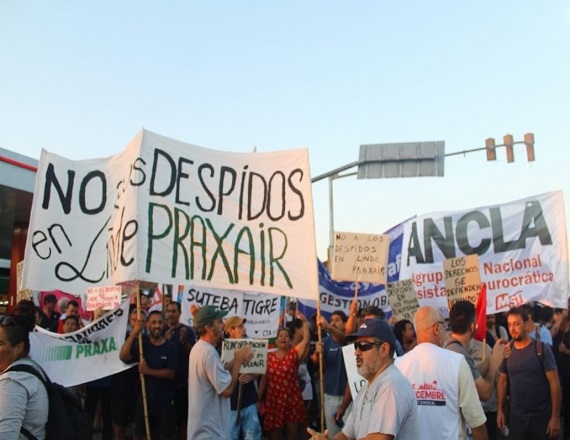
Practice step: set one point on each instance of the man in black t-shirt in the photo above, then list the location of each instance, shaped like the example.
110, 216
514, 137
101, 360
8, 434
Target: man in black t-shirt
160, 359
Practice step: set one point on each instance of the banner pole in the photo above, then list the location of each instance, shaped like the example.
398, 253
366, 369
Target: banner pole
141, 358
321, 369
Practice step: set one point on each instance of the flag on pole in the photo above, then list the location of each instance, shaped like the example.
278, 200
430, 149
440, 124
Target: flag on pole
481, 314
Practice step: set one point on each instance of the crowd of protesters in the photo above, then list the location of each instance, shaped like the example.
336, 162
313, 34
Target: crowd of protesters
426, 378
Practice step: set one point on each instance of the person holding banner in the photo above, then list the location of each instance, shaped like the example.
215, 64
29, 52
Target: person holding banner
244, 398
337, 391
210, 383
160, 359
184, 337
285, 409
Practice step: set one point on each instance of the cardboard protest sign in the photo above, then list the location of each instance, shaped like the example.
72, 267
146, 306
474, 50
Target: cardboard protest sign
462, 279
360, 257
403, 299
105, 297
167, 212
257, 365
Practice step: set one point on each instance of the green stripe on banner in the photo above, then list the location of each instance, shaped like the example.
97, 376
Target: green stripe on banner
56, 353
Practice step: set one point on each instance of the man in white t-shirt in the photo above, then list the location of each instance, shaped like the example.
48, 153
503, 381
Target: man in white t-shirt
444, 387
210, 384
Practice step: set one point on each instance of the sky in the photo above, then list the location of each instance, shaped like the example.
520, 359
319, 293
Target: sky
80, 79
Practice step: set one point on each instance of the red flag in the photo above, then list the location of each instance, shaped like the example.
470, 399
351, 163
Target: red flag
481, 314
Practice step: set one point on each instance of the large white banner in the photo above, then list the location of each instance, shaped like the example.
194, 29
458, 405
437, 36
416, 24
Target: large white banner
168, 212
86, 354
522, 248
261, 311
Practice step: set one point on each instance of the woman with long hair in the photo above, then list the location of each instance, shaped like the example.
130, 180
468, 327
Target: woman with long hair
285, 409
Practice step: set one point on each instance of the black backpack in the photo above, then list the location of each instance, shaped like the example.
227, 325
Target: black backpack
66, 418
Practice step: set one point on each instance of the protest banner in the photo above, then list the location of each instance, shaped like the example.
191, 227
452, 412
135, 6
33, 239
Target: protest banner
360, 257
167, 212
258, 365
403, 299
104, 297
462, 279
522, 248
87, 354
261, 311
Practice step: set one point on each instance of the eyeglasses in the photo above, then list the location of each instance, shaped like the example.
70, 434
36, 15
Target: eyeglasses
436, 323
7, 321
365, 346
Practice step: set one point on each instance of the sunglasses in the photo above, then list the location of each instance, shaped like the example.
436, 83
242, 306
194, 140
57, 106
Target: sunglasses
7, 321
365, 346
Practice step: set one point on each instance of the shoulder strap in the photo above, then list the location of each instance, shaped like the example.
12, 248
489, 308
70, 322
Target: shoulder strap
453, 341
28, 369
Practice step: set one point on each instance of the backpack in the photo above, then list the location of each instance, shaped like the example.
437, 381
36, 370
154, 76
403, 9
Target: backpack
66, 418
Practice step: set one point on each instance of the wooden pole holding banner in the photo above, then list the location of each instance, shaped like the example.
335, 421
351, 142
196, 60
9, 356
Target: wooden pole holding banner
321, 369
141, 359
239, 398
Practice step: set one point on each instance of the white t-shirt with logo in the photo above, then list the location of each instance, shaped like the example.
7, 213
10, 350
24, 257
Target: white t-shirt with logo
445, 391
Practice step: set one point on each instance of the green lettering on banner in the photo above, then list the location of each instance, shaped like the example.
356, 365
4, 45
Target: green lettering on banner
106, 345
189, 245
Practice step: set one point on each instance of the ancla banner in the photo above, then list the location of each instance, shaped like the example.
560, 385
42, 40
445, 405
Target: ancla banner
84, 355
522, 248
168, 212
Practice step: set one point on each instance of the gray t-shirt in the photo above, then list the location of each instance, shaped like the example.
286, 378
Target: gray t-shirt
23, 402
391, 396
209, 414
457, 347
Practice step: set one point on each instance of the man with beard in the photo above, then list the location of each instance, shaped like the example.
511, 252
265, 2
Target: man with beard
385, 407
210, 384
160, 359
184, 337
337, 391
534, 385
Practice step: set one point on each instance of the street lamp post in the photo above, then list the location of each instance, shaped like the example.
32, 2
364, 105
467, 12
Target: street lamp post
394, 160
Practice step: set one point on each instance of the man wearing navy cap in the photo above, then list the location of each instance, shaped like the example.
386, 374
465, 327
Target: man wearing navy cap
386, 405
210, 384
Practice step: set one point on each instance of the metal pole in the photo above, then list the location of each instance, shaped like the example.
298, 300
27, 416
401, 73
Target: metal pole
331, 218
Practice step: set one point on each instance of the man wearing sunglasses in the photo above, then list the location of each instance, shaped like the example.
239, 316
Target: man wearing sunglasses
445, 390
385, 407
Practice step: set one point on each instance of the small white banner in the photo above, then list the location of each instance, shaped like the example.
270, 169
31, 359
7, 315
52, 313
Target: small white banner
462, 279
257, 365
84, 355
403, 299
104, 297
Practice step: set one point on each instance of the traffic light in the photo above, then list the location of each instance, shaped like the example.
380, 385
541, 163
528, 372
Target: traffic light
490, 146
508, 141
529, 141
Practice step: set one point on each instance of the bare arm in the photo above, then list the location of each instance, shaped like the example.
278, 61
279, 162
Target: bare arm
350, 326
241, 356
480, 433
486, 383
553, 428
162, 373
125, 353
501, 400
302, 348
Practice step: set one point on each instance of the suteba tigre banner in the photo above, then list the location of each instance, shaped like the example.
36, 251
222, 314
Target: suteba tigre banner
168, 212
522, 248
